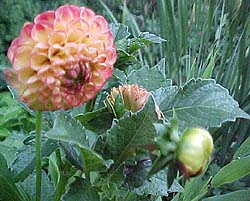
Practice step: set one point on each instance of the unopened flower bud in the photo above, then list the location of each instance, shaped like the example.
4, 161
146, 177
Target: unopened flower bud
193, 151
133, 97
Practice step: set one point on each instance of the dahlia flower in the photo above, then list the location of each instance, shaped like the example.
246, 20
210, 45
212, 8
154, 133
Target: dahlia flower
133, 97
62, 59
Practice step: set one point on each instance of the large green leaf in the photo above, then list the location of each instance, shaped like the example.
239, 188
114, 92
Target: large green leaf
130, 132
150, 78
119, 31
243, 149
156, 185
194, 189
232, 171
97, 121
24, 163
67, 129
72, 153
28, 186
241, 195
202, 103
10, 145
81, 190
8, 189
92, 161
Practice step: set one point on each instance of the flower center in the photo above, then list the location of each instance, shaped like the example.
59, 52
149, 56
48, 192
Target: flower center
76, 75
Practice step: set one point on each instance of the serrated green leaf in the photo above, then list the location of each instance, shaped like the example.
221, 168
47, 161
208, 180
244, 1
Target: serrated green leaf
175, 187
156, 185
166, 94
72, 153
24, 163
151, 38
81, 190
97, 121
200, 186
10, 145
119, 31
28, 186
232, 171
130, 132
53, 169
8, 189
92, 161
202, 103
243, 149
124, 60
241, 195
144, 39
150, 78
68, 129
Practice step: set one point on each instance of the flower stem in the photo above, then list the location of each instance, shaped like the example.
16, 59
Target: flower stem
38, 155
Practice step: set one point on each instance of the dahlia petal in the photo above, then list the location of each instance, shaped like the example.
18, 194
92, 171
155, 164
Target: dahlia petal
75, 35
27, 93
95, 28
79, 23
40, 33
43, 70
38, 60
67, 13
57, 100
56, 52
24, 74
86, 13
50, 80
26, 31
98, 44
92, 52
57, 37
33, 79
34, 87
47, 16
56, 91
102, 22
12, 49
11, 77
22, 57
98, 78
111, 56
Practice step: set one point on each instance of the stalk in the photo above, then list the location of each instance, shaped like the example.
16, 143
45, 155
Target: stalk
38, 156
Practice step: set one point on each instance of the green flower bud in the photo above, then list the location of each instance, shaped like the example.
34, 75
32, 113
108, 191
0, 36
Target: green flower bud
193, 151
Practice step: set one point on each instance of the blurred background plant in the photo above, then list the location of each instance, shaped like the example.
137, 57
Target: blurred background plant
208, 39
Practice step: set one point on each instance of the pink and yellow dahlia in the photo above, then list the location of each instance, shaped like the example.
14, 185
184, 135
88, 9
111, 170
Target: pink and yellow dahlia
62, 59
134, 97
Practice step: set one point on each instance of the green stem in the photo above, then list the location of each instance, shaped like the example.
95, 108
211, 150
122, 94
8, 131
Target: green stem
38, 156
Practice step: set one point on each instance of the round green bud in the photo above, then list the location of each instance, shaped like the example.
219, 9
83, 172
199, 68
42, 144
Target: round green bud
193, 151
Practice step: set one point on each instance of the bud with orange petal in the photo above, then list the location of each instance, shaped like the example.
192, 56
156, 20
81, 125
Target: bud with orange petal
132, 97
